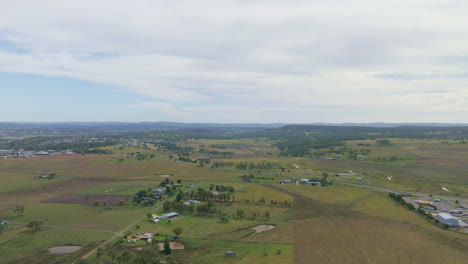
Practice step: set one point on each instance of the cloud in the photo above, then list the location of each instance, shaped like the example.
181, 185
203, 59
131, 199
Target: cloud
280, 60
152, 105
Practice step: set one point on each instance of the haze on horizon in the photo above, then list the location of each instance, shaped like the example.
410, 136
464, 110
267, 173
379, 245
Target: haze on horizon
234, 61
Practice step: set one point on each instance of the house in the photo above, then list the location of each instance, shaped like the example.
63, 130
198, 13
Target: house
448, 219
193, 201
159, 191
146, 236
3, 222
229, 253
304, 180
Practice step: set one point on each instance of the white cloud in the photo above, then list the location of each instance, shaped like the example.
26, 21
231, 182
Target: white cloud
358, 60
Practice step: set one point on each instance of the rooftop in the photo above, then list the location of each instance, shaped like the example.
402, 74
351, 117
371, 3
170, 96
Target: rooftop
447, 216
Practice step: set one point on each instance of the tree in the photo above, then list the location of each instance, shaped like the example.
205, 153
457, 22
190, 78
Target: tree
2, 227
167, 247
149, 215
266, 215
324, 175
179, 196
34, 225
177, 231
167, 206
19, 210
383, 142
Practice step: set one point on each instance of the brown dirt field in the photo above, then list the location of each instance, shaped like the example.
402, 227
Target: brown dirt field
111, 200
173, 245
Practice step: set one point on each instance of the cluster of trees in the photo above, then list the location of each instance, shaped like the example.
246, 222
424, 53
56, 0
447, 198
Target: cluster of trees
81, 145
399, 199
262, 201
217, 164
253, 178
383, 143
145, 197
259, 166
304, 146
350, 153
241, 214
387, 159
215, 152
207, 195
208, 209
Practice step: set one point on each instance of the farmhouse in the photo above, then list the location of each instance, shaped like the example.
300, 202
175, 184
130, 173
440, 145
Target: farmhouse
448, 219
159, 191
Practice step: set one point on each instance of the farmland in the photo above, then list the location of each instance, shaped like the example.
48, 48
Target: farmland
91, 203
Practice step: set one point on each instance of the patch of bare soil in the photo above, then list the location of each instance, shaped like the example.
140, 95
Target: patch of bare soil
262, 228
173, 245
64, 249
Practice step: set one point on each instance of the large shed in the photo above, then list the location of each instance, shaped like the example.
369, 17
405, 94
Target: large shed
448, 219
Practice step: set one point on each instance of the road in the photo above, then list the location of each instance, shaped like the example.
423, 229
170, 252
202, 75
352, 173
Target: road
120, 233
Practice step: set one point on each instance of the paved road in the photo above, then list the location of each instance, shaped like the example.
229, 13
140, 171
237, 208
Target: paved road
120, 233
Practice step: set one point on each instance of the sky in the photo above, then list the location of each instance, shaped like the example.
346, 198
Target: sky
238, 61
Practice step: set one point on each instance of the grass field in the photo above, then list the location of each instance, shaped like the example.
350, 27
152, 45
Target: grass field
78, 216
31, 247
334, 230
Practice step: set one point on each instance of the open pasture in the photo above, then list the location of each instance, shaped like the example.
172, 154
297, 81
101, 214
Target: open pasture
213, 251
31, 247
14, 181
78, 216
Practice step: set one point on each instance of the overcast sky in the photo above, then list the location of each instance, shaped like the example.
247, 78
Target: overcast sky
234, 61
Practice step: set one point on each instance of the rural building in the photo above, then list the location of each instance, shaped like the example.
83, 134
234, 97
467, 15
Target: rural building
229, 253
168, 215
448, 219
314, 183
284, 181
159, 191
204, 159
347, 174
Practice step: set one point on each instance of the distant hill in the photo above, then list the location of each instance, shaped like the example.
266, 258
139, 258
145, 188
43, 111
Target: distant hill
359, 132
